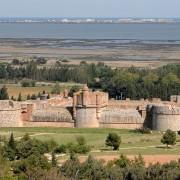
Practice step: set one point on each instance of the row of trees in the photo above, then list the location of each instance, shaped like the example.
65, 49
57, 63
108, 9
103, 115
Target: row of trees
133, 82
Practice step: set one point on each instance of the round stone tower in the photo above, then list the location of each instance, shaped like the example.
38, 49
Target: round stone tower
87, 107
165, 117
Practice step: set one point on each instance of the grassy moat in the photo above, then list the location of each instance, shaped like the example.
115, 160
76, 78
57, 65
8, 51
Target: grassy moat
133, 143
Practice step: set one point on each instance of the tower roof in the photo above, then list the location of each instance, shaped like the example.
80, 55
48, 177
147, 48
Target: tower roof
85, 87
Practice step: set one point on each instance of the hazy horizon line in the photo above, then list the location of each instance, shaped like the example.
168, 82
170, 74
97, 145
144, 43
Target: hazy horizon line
73, 17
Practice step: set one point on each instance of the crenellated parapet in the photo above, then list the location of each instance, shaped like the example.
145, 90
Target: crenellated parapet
87, 98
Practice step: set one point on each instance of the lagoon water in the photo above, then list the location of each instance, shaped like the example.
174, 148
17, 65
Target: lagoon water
143, 32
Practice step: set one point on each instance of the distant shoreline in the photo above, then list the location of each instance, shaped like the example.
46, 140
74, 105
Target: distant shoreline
91, 20
92, 41
114, 53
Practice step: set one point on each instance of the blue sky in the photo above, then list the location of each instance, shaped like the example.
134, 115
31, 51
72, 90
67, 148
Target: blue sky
90, 8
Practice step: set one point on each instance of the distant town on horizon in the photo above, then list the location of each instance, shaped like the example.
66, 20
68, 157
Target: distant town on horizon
87, 20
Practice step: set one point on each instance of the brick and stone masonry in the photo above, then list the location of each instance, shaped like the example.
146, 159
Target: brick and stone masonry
91, 109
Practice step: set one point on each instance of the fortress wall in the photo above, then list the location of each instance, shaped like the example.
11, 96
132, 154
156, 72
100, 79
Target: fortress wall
91, 98
134, 104
10, 114
10, 118
60, 101
126, 104
53, 114
79, 99
49, 124
86, 118
121, 119
165, 117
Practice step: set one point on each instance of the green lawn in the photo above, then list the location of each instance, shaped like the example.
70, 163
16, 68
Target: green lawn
132, 143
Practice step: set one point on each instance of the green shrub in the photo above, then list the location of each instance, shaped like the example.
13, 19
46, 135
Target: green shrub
34, 161
60, 149
81, 147
10, 148
33, 97
169, 138
51, 145
73, 89
113, 140
56, 89
30, 147
143, 130
71, 167
80, 140
92, 169
123, 161
28, 83
178, 132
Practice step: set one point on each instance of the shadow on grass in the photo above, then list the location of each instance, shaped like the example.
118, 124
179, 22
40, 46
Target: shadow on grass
106, 149
164, 147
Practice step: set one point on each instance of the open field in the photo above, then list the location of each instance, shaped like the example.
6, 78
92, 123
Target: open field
132, 143
15, 89
111, 52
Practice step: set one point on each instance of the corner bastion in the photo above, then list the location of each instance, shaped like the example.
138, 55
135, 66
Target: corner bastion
166, 117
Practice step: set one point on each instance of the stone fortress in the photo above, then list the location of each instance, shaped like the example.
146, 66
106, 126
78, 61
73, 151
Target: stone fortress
91, 109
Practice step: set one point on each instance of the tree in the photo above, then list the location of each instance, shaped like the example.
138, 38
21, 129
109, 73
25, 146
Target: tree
81, 140
33, 83
19, 97
92, 169
33, 97
26, 148
3, 93
54, 160
10, 148
48, 96
56, 89
25, 83
4, 168
12, 98
123, 161
39, 95
28, 97
178, 132
169, 138
11, 142
113, 140
73, 90
26, 137
71, 167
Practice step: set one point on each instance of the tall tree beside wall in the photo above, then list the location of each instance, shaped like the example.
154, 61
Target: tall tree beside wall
3, 93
